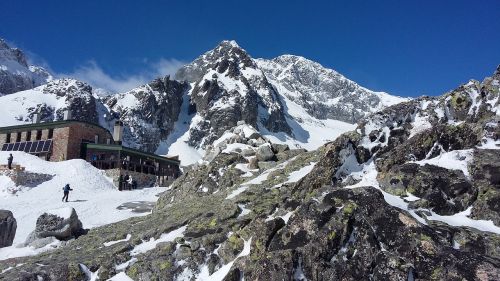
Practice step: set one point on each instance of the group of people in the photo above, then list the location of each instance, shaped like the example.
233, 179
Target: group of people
126, 182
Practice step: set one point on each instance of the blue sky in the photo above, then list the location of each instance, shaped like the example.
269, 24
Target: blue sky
405, 48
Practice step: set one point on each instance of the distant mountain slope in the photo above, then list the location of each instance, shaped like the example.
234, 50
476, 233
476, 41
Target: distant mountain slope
322, 92
15, 72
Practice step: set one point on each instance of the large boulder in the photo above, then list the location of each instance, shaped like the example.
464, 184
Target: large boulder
265, 153
62, 224
444, 191
8, 226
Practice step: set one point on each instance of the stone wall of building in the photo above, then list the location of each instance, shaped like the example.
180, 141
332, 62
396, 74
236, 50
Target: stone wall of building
143, 180
60, 144
83, 131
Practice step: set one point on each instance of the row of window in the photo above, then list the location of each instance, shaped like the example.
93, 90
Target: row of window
18, 136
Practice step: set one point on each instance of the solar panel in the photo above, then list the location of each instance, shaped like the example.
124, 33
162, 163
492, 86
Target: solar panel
21, 146
27, 148
33, 147
46, 147
9, 148
16, 146
39, 146
4, 146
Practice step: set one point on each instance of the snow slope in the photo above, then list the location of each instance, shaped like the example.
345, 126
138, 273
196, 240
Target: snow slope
94, 197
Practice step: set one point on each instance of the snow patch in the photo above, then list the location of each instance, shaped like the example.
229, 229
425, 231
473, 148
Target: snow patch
151, 244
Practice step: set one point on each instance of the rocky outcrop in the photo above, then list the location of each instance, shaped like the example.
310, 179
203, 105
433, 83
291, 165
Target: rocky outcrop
62, 224
15, 72
8, 226
265, 153
148, 112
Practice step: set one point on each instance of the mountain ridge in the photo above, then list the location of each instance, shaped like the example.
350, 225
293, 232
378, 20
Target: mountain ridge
224, 86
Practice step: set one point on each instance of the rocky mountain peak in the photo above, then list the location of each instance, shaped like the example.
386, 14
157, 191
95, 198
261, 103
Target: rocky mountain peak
227, 87
14, 54
15, 72
226, 55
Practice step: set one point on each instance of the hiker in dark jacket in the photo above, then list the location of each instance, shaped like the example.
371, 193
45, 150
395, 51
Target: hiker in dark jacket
125, 181
9, 161
66, 190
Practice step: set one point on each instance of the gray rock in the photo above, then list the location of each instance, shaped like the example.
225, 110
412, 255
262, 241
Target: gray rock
51, 225
265, 153
248, 152
8, 226
277, 148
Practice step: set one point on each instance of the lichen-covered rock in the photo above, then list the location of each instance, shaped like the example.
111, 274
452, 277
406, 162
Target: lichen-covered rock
8, 226
486, 176
444, 191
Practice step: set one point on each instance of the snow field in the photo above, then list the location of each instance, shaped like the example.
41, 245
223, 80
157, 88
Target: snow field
93, 197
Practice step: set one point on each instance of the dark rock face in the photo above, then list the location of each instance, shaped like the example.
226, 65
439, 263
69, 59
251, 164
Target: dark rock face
151, 116
486, 176
444, 191
78, 99
15, 74
8, 226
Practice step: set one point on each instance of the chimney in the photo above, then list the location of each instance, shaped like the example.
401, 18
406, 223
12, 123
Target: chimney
118, 132
67, 114
36, 117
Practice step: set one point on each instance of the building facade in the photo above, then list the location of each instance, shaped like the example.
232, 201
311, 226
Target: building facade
71, 139
60, 140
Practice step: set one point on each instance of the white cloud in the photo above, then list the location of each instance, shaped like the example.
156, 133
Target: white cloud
93, 74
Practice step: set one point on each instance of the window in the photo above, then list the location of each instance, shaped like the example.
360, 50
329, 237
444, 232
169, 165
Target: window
7, 138
39, 135
28, 136
51, 134
18, 137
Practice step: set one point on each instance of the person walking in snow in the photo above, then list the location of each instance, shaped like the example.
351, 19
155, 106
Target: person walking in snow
66, 190
9, 161
130, 182
125, 182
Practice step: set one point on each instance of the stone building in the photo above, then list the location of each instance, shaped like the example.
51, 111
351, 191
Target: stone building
72, 139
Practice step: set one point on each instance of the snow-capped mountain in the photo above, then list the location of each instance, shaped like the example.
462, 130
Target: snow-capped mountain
228, 86
15, 72
322, 92
289, 100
